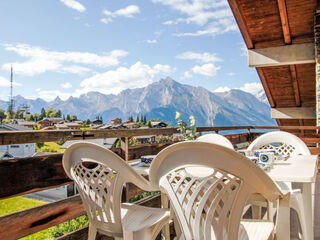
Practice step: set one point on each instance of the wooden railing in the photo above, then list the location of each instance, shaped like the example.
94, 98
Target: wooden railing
32, 174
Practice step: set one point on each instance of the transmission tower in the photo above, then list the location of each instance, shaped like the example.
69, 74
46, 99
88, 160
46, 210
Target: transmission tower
11, 93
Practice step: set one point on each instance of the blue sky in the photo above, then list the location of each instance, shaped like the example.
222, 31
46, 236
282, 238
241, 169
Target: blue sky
70, 47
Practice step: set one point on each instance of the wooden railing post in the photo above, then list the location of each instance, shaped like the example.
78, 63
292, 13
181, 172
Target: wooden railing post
125, 148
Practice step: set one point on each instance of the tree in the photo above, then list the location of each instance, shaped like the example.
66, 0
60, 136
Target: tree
50, 112
42, 114
68, 117
88, 121
2, 115
58, 113
144, 119
130, 118
36, 117
73, 118
137, 120
31, 118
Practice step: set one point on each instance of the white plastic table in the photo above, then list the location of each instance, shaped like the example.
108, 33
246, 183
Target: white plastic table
302, 169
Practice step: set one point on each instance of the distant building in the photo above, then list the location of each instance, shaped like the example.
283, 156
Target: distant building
146, 139
54, 119
116, 121
27, 124
61, 126
105, 142
97, 122
158, 124
44, 123
109, 126
16, 150
130, 124
73, 125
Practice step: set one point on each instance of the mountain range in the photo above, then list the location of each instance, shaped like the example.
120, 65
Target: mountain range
161, 100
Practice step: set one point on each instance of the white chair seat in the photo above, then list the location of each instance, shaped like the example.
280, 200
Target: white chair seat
255, 230
135, 217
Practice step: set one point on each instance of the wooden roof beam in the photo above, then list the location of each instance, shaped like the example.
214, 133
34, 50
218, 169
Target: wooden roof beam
266, 87
236, 9
284, 21
294, 113
283, 55
294, 80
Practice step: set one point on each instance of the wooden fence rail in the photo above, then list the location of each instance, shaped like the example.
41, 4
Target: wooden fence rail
31, 136
32, 220
26, 175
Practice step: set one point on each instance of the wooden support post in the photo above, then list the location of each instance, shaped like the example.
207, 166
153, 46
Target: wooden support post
317, 56
249, 135
70, 190
125, 148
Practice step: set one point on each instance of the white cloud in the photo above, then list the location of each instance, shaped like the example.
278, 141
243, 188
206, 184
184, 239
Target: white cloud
151, 41
231, 74
198, 11
222, 89
50, 95
75, 70
66, 85
87, 25
244, 50
201, 57
254, 88
187, 74
41, 60
114, 81
106, 20
215, 28
208, 69
6, 83
169, 22
74, 5
127, 12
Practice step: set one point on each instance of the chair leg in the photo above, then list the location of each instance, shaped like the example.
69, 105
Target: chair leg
296, 203
283, 223
92, 232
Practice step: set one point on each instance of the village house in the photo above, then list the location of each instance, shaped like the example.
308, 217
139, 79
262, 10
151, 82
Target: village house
158, 124
97, 122
44, 123
29, 125
16, 150
116, 121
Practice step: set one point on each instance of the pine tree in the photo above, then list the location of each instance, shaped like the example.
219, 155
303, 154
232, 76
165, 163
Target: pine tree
144, 119
130, 118
68, 118
42, 114
137, 120
58, 114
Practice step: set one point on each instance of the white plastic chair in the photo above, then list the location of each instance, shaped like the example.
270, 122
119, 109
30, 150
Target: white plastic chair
211, 207
216, 139
286, 144
99, 175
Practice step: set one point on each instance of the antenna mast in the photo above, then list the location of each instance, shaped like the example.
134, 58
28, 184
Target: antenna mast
11, 92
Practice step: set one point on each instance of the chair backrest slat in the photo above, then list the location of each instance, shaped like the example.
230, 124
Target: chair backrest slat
100, 175
283, 143
203, 205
